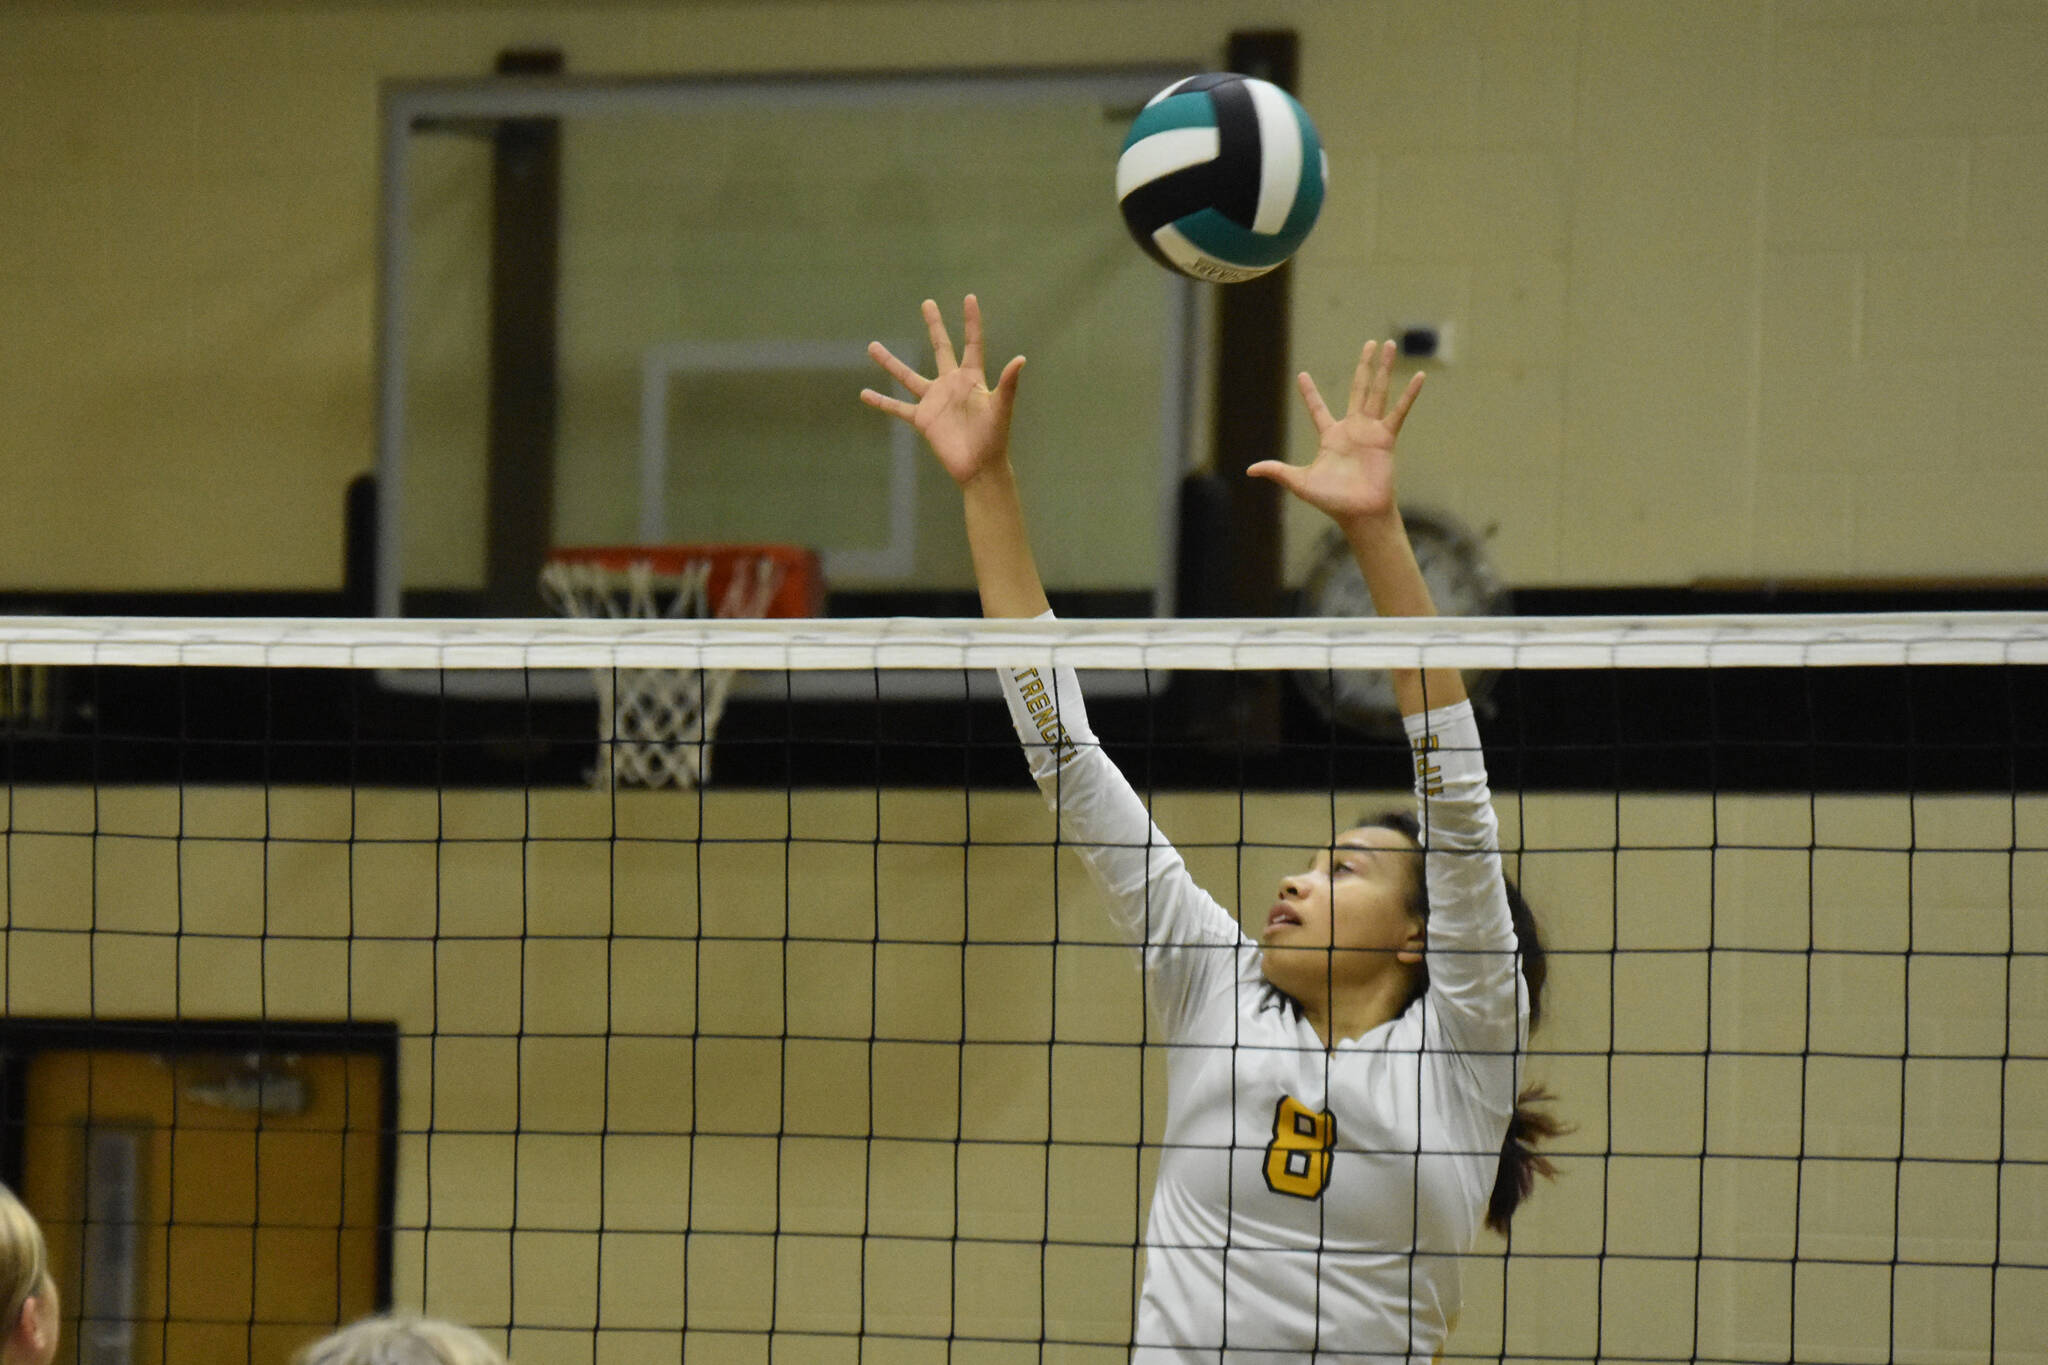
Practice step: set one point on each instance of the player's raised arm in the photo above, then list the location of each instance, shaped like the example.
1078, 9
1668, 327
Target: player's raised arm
1351, 480
1152, 899
967, 425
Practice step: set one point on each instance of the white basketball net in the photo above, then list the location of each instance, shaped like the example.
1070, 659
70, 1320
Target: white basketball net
657, 723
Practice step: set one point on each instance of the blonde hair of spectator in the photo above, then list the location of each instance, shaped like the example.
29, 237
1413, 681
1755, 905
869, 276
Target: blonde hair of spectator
25, 1278
400, 1339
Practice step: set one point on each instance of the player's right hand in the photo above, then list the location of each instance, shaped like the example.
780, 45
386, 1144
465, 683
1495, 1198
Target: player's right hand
963, 420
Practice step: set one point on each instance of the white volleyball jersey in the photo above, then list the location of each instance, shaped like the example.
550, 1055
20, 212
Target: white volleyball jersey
1312, 1203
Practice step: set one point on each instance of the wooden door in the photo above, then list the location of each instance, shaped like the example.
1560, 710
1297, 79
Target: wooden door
229, 1202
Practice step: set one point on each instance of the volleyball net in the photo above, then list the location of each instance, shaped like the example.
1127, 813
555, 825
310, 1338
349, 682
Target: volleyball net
321, 994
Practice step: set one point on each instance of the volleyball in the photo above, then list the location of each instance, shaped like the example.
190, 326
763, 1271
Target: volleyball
1221, 177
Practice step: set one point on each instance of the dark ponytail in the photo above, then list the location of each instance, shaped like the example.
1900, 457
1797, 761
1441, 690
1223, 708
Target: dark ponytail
1531, 1123
1520, 1162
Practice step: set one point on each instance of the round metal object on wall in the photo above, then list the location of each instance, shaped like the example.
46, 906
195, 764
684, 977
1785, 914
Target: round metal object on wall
1461, 583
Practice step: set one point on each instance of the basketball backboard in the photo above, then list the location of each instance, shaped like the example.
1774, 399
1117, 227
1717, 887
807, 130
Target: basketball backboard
721, 251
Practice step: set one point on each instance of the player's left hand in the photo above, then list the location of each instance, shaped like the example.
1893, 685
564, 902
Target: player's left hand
1351, 478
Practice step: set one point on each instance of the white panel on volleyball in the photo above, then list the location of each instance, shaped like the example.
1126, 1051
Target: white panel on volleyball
1279, 156
726, 243
1163, 153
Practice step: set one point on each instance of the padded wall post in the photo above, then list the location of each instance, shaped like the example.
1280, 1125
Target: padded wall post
1230, 524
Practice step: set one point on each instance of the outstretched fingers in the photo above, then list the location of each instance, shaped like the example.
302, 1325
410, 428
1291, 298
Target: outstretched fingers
1361, 378
971, 353
1279, 471
898, 371
942, 345
1381, 367
895, 407
1318, 411
1405, 402
1006, 385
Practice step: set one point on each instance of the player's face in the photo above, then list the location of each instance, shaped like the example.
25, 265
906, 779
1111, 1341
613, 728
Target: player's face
1346, 918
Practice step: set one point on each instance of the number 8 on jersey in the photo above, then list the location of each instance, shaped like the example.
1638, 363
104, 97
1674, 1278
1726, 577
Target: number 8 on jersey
1298, 1159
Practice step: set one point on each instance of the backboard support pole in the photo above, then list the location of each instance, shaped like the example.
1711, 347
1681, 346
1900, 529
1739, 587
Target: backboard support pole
526, 192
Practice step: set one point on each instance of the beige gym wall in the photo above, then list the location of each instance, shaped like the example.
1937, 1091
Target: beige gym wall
549, 1074
1739, 289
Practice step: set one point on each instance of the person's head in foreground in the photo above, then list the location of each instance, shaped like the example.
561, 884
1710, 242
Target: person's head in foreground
1355, 923
31, 1294
400, 1339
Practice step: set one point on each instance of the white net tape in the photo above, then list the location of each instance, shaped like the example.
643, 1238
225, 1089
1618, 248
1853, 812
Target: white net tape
1833, 641
656, 722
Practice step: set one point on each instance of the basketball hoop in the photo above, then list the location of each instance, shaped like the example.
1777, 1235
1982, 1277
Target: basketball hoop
657, 723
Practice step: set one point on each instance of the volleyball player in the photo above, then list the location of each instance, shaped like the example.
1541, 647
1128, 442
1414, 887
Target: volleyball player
32, 1321
1342, 1092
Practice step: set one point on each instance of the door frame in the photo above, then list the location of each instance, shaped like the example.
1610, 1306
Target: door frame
24, 1039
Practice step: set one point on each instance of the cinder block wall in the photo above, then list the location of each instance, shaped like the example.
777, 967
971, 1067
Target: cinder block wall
1741, 289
